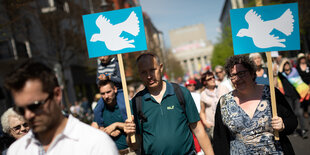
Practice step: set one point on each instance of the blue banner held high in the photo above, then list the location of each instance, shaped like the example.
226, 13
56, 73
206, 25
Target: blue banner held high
114, 32
265, 28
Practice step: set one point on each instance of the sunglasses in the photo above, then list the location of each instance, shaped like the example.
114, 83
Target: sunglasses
18, 127
219, 72
240, 74
32, 107
210, 78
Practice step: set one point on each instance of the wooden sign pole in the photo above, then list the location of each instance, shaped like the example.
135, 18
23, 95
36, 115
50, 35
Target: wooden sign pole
272, 92
124, 84
271, 83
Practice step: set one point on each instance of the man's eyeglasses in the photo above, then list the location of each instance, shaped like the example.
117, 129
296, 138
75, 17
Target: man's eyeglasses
240, 74
32, 107
18, 127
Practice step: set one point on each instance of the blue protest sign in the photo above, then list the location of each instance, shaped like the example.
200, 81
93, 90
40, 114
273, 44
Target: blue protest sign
114, 32
265, 28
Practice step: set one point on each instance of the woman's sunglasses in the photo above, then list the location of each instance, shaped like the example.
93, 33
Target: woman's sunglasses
18, 127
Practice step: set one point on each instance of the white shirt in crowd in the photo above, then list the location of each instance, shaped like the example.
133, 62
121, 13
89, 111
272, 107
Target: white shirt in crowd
196, 98
77, 139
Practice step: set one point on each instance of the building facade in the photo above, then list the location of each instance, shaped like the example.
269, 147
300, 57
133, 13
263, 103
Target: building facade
190, 46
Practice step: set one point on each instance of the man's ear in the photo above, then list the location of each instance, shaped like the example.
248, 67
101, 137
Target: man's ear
161, 67
58, 94
115, 89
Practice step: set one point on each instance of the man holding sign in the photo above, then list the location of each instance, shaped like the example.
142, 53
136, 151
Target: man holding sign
161, 122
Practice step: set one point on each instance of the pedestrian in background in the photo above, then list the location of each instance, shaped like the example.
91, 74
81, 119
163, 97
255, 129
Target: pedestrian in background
304, 71
14, 125
108, 69
208, 102
261, 71
224, 85
290, 74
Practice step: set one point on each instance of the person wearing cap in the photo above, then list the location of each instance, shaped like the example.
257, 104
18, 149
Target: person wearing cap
190, 85
304, 72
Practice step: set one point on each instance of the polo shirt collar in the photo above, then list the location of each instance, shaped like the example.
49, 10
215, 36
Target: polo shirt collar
169, 91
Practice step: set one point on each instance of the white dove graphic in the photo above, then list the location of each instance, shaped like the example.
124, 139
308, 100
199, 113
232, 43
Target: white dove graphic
259, 30
110, 34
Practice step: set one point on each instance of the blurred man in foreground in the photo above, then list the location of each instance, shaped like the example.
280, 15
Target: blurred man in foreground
38, 96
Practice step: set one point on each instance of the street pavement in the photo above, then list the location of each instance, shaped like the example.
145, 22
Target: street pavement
301, 146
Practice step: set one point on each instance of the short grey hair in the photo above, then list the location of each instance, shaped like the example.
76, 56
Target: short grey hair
5, 118
219, 67
253, 55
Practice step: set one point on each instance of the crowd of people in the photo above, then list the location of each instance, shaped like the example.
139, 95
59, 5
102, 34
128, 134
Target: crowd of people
223, 111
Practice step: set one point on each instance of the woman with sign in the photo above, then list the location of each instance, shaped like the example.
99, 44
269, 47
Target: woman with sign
243, 119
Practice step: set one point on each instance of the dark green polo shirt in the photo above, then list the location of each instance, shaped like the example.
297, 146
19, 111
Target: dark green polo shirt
114, 115
166, 130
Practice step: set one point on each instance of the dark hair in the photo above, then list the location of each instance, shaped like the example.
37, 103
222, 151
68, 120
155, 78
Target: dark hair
105, 82
203, 77
32, 70
148, 54
243, 60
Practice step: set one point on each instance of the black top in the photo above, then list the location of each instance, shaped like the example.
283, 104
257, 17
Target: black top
305, 75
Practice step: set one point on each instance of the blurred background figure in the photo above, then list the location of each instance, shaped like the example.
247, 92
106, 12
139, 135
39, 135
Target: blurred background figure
209, 101
261, 71
304, 72
108, 69
190, 85
243, 119
13, 125
220, 74
197, 79
96, 99
85, 106
223, 83
289, 77
180, 81
76, 109
131, 92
